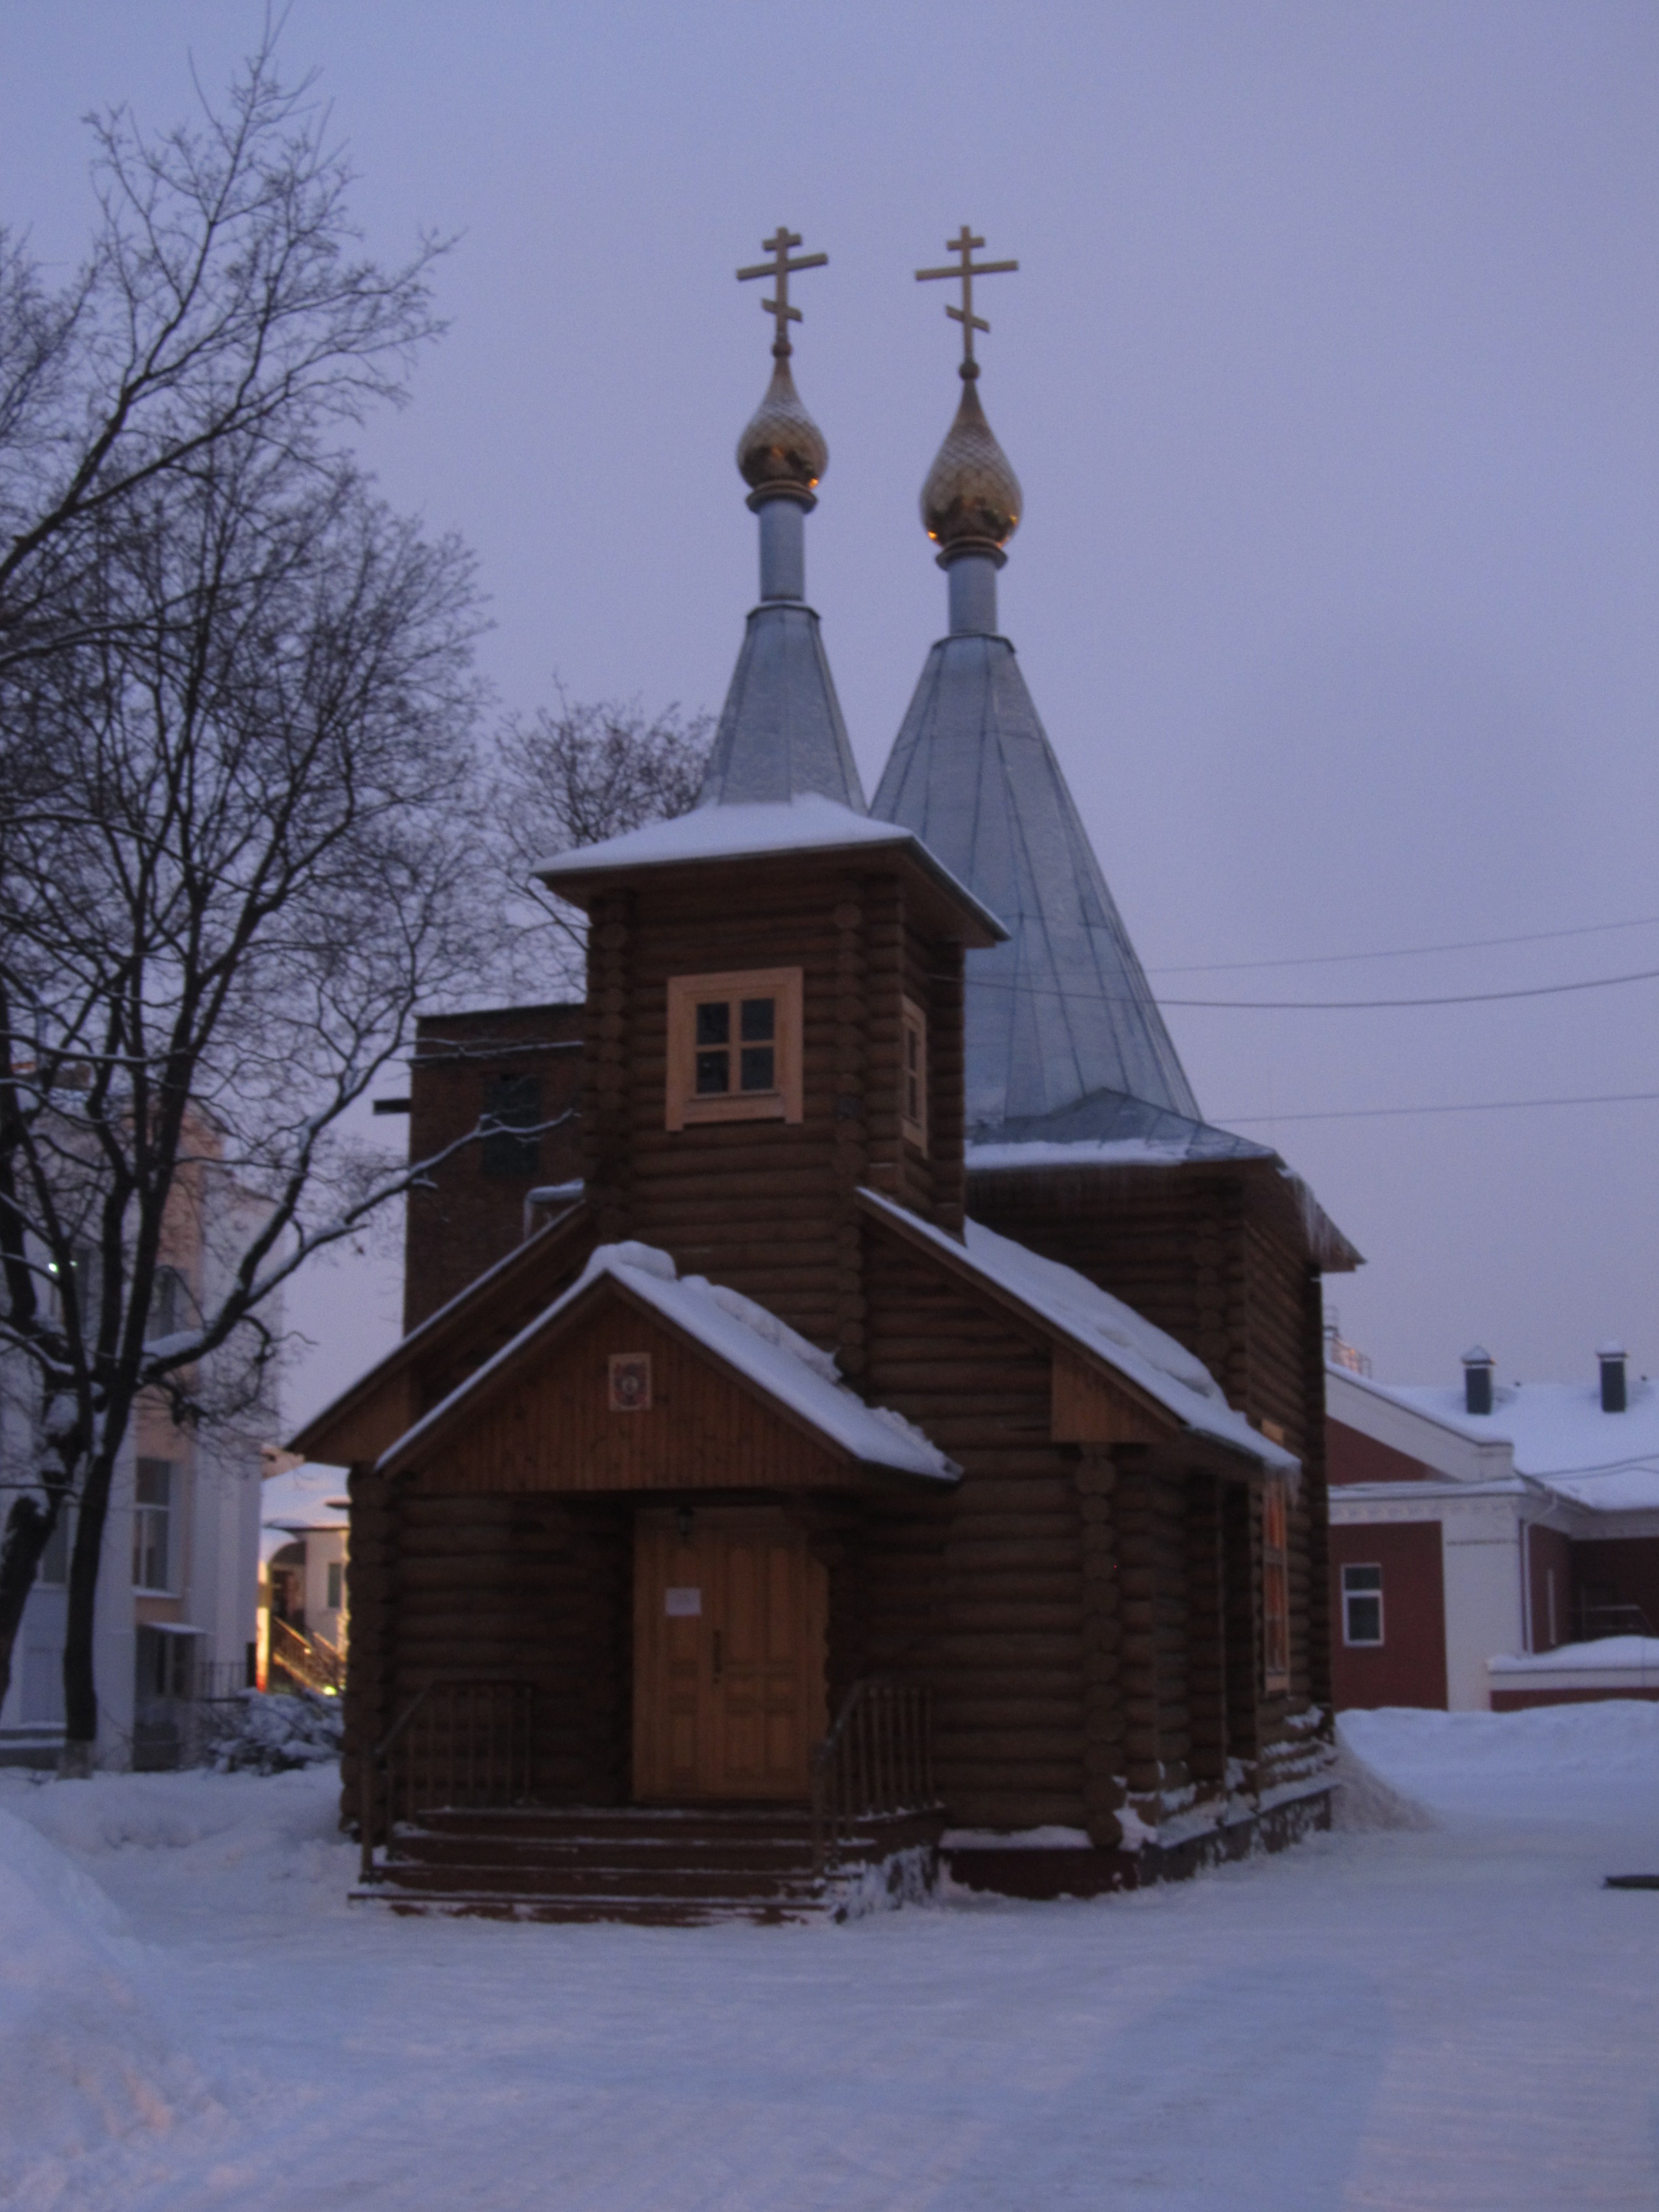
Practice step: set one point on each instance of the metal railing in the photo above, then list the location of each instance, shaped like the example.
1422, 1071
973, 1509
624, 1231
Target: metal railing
460, 1742
310, 1661
877, 1757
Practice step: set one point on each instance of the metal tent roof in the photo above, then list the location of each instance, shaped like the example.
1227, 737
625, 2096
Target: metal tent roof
1063, 1010
780, 730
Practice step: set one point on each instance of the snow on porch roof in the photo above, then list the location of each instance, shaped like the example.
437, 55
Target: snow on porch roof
807, 823
790, 1371
1103, 1326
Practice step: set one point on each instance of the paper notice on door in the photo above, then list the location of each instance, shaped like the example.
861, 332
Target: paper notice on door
682, 1604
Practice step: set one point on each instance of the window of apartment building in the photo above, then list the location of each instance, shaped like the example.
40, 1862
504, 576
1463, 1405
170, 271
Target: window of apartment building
1362, 1605
913, 1104
155, 1512
335, 1584
169, 1304
53, 1569
512, 1102
1275, 1588
734, 1047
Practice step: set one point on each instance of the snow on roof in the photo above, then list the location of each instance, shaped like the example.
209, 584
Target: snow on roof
808, 823
1558, 1435
1143, 1353
1608, 1652
304, 1498
793, 1372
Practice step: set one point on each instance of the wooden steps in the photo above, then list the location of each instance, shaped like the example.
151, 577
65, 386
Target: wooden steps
649, 1865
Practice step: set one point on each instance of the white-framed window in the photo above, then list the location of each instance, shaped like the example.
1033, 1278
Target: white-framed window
734, 1047
155, 1510
1362, 1605
335, 1584
913, 1102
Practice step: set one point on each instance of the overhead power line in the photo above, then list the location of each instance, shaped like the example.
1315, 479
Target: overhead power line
1482, 1106
1407, 952
1311, 1005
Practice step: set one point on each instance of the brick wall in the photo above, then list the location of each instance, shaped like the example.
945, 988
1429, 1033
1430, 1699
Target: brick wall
522, 1064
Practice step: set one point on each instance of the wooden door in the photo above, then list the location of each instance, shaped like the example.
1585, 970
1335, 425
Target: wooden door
728, 1657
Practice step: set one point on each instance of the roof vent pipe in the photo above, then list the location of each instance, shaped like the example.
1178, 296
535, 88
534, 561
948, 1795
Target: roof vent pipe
1612, 1357
1477, 1381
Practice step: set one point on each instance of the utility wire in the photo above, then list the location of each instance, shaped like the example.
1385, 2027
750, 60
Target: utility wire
1483, 1106
1310, 1005
1407, 952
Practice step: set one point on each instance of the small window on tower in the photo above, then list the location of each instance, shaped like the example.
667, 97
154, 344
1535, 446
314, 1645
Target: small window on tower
735, 1048
1362, 1605
913, 1103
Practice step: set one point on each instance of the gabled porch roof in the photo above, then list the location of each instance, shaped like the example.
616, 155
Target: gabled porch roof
796, 1380
380, 1406
1110, 1334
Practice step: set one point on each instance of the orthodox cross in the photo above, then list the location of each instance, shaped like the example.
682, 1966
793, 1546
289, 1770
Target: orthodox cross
780, 269
965, 272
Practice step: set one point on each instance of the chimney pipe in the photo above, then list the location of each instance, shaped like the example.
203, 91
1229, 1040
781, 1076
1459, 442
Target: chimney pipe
1477, 1381
1612, 1358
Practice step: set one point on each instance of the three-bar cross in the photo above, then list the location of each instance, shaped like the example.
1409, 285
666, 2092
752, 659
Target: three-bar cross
965, 270
781, 268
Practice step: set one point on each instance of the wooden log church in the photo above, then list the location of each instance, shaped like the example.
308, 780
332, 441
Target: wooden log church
856, 1418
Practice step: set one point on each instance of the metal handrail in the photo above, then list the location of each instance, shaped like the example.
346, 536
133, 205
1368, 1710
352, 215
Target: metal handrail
312, 1660
464, 1775
877, 1757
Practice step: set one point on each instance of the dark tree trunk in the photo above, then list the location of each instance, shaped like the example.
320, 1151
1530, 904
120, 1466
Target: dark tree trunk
29, 1531
80, 1678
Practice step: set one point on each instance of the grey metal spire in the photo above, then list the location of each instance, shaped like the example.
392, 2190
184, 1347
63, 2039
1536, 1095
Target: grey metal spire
1063, 1009
781, 731
1062, 1013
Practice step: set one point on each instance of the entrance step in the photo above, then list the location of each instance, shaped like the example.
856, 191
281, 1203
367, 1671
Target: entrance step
663, 1865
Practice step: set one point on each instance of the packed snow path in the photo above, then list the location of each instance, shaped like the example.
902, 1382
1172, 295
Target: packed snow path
1460, 2017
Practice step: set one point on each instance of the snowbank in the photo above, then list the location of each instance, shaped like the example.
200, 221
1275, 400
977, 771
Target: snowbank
1364, 1803
265, 1819
84, 2058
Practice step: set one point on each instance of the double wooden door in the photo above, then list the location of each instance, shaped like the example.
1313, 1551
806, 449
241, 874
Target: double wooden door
728, 1656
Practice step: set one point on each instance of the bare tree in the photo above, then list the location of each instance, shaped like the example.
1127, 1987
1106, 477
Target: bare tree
223, 297
576, 773
238, 844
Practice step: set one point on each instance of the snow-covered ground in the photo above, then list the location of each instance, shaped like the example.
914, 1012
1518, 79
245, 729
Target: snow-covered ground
1455, 2015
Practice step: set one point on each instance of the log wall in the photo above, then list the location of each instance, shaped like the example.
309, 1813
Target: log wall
1209, 1252
767, 1207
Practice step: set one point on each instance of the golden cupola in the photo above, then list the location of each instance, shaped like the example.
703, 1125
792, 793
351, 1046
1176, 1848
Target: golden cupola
972, 500
781, 452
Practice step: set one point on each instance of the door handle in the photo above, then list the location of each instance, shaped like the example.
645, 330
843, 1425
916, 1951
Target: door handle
719, 1654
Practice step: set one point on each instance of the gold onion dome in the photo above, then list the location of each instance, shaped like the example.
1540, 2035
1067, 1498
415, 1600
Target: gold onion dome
782, 450
972, 500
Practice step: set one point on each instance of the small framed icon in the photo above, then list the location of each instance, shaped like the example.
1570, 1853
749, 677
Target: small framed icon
630, 1382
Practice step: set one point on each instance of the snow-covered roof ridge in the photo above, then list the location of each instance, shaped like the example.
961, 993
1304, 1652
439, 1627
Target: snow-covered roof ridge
1099, 1323
791, 1370
809, 823
1556, 1433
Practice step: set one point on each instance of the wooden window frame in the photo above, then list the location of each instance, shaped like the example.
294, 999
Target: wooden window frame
1363, 1642
913, 1027
685, 1108
1275, 1587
